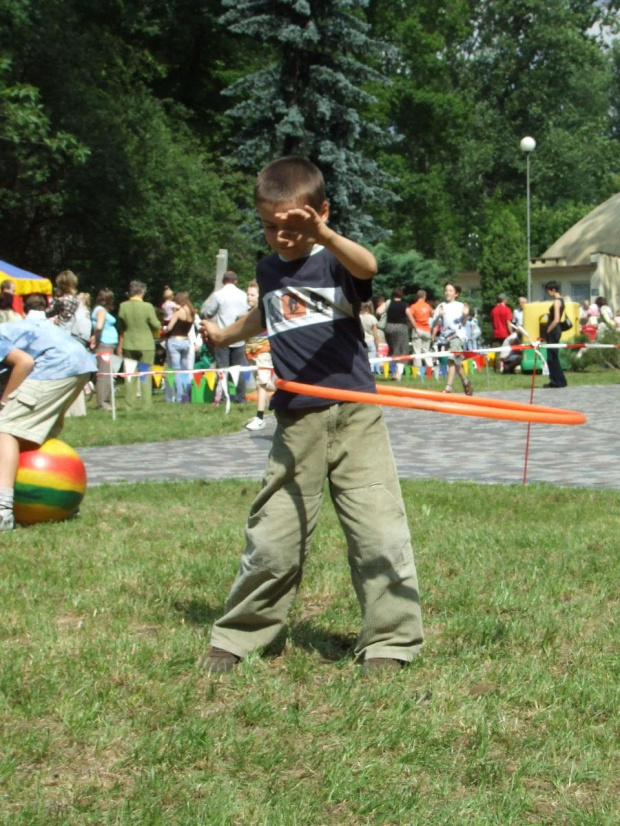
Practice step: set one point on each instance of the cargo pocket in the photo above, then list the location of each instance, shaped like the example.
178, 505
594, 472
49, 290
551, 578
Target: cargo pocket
25, 396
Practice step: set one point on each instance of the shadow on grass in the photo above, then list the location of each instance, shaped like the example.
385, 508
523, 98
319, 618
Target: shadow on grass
197, 612
329, 644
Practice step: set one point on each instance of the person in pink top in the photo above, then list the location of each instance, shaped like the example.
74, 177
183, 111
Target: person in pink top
419, 315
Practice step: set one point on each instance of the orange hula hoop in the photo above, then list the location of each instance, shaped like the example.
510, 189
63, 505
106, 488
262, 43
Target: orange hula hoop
439, 403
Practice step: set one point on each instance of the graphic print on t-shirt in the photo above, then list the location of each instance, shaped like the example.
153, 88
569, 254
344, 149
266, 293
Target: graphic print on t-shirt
296, 307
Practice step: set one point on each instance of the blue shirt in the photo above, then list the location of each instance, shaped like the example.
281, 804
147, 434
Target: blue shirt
56, 354
109, 333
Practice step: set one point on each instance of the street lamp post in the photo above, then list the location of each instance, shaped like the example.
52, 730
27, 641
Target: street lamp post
528, 145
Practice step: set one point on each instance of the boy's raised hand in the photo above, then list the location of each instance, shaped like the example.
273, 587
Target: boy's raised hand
306, 224
303, 226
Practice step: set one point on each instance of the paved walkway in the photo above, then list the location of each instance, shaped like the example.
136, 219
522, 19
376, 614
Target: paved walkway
426, 445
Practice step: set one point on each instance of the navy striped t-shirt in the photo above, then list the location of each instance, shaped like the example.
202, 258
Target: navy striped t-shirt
310, 308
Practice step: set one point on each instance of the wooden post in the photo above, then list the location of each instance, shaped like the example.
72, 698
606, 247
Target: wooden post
221, 265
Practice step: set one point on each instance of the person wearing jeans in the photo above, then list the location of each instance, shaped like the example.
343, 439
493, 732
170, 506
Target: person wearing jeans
178, 359
179, 345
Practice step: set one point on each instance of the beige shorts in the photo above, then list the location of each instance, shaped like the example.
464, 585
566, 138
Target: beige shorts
456, 344
35, 410
264, 374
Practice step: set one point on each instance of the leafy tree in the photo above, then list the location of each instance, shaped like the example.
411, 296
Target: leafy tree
114, 133
409, 270
33, 163
121, 185
473, 78
162, 209
427, 103
310, 100
503, 262
538, 71
548, 223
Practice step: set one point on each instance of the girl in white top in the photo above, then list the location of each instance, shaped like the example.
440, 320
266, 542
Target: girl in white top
450, 315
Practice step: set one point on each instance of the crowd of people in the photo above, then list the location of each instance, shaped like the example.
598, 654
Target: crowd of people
144, 334
410, 331
169, 333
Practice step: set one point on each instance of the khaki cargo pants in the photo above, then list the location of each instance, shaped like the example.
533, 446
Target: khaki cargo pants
348, 445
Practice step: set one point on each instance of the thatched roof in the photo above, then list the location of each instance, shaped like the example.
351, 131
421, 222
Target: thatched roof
599, 231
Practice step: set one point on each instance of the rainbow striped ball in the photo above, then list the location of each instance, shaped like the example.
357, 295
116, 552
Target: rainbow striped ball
50, 483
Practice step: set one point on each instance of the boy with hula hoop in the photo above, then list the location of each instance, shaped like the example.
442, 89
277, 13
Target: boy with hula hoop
310, 291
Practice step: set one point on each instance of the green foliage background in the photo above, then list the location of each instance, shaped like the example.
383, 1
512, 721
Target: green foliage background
130, 132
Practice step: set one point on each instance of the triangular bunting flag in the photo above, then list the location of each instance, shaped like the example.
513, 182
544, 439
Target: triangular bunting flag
143, 368
197, 378
233, 374
170, 380
157, 377
211, 379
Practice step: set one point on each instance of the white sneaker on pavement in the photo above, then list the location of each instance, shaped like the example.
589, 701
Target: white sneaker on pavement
255, 424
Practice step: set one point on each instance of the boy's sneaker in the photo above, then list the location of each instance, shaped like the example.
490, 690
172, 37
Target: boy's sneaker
218, 661
255, 424
7, 521
447, 390
469, 390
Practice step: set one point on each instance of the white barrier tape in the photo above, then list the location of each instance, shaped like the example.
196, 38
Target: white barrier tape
244, 369
483, 351
438, 354
467, 353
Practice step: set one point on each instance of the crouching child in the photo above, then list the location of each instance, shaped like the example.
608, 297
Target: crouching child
45, 370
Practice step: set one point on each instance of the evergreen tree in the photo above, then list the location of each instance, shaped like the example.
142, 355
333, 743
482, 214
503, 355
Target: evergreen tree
310, 100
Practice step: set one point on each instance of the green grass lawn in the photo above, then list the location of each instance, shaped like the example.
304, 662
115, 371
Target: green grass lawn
510, 716
189, 421
161, 423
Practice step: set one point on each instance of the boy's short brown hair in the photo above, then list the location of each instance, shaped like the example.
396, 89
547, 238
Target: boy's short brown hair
35, 301
290, 179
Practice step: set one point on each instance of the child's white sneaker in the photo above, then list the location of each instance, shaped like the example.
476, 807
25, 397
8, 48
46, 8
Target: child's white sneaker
7, 522
255, 424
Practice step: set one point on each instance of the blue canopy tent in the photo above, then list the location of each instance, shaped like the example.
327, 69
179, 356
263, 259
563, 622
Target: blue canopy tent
25, 282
